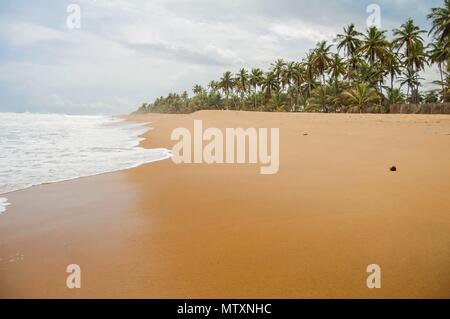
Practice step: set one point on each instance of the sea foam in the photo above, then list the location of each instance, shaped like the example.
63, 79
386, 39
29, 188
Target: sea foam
3, 204
47, 148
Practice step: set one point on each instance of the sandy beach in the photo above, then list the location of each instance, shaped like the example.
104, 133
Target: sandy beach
225, 231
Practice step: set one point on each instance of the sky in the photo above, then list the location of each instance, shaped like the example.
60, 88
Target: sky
126, 52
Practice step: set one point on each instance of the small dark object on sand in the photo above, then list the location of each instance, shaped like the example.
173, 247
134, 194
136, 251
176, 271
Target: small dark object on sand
393, 169
305, 134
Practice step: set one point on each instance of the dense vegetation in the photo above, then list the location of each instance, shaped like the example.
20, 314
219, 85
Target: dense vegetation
368, 70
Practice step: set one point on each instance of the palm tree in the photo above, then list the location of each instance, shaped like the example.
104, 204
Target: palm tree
289, 73
337, 67
242, 83
418, 58
349, 41
256, 79
310, 72
431, 97
322, 59
438, 54
408, 36
440, 29
416, 96
198, 90
353, 64
371, 74
288, 77
278, 69
375, 45
213, 86
392, 65
411, 79
361, 96
299, 79
227, 84
326, 98
375, 48
320, 99
395, 96
270, 85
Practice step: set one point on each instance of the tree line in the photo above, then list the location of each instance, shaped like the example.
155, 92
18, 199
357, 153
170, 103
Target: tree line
364, 70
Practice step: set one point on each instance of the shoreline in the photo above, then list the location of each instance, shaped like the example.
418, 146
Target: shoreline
224, 231
140, 138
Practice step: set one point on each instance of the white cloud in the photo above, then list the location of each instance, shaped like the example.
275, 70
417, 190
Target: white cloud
303, 31
24, 34
128, 52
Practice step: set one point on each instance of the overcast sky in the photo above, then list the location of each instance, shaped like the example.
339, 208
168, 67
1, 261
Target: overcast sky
130, 51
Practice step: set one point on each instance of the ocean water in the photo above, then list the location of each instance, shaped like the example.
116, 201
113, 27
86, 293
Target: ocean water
47, 148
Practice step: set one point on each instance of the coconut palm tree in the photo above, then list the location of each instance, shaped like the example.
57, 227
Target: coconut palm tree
440, 19
256, 79
320, 99
375, 46
395, 96
198, 90
270, 85
213, 86
392, 65
322, 59
431, 97
418, 58
298, 81
287, 79
371, 74
439, 55
353, 64
411, 79
227, 85
289, 73
337, 67
350, 40
361, 96
242, 83
310, 72
408, 36
278, 68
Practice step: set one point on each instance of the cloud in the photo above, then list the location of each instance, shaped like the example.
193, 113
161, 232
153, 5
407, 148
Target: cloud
210, 55
128, 52
302, 31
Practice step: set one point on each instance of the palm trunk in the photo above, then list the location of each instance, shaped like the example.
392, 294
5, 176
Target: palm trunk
255, 97
392, 81
227, 105
442, 82
407, 95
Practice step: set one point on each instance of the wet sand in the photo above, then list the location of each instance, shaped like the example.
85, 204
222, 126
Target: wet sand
224, 231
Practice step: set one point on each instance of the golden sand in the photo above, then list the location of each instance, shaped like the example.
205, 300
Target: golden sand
203, 231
